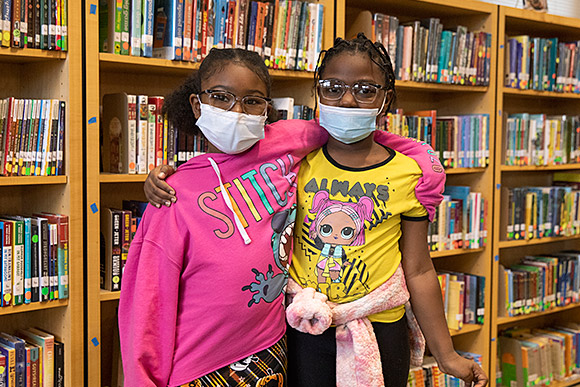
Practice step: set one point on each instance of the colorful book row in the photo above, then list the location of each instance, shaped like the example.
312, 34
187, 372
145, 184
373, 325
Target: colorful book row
541, 212
538, 357
540, 139
118, 226
460, 141
38, 24
31, 357
32, 135
463, 298
539, 283
286, 33
422, 51
34, 264
460, 221
430, 375
543, 64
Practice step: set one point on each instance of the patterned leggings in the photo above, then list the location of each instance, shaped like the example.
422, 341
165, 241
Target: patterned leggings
266, 368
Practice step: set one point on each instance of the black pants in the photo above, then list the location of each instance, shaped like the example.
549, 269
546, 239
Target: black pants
312, 359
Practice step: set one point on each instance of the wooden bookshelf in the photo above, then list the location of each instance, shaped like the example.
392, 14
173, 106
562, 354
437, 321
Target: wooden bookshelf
111, 73
515, 22
39, 74
449, 99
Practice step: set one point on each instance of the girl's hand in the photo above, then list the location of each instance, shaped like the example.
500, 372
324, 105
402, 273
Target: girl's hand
465, 369
157, 191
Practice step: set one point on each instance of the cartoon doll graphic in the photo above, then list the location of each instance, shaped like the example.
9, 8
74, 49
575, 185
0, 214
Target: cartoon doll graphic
337, 224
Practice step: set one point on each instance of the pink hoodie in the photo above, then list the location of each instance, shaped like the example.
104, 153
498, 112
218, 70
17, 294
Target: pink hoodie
195, 296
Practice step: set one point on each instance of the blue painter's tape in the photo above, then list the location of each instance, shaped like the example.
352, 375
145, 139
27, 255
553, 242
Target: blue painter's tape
499, 112
501, 46
95, 341
496, 258
93, 120
498, 186
93, 9
493, 339
94, 208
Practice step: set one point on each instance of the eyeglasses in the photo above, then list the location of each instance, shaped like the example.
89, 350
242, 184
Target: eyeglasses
251, 104
363, 92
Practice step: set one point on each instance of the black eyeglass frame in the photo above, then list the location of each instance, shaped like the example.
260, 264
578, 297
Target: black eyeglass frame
345, 87
240, 99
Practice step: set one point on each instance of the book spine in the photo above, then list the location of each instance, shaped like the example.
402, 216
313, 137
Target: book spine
34, 254
44, 261
16, 33
158, 131
116, 250
187, 29
51, 24
151, 137
178, 30
136, 25
51, 167
63, 258
126, 238
18, 263
148, 9
27, 260
142, 128
58, 25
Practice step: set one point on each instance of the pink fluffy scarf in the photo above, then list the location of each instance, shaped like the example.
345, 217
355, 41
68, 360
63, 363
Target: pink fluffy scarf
358, 361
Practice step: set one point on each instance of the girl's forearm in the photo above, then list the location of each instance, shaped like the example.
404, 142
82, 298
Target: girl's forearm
428, 308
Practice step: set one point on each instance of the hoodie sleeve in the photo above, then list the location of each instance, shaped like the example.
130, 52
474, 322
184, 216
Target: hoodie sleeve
148, 314
429, 188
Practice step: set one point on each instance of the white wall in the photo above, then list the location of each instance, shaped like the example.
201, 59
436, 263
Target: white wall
557, 7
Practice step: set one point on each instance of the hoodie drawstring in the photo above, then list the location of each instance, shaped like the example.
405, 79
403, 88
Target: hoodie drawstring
228, 202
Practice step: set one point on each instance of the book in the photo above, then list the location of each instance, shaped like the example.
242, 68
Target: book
43, 245
9, 354
19, 357
59, 364
61, 243
111, 260
33, 358
45, 341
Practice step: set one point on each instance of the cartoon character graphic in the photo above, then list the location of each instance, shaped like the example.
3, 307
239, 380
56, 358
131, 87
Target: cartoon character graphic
337, 224
269, 286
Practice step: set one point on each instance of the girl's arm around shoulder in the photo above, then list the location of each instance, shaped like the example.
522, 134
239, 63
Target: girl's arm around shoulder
148, 314
299, 132
429, 188
428, 306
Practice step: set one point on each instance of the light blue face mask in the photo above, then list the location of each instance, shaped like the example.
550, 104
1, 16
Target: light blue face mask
348, 125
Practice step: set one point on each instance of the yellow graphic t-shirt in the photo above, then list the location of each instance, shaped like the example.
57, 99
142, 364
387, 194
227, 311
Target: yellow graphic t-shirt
348, 225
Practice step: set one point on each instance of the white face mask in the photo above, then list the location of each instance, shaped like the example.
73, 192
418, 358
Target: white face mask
230, 132
348, 125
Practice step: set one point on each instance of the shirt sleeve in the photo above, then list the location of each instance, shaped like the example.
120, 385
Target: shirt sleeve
148, 313
415, 210
429, 188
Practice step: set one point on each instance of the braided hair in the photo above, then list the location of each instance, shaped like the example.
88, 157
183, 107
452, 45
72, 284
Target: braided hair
361, 44
177, 106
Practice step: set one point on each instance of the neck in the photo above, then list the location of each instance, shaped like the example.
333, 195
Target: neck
364, 153
362, 146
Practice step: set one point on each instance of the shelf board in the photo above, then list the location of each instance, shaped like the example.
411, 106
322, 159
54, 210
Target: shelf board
509, 320
570, 381
109, 296
33, 306
27, 55
121, 178
539, 94
125, 63
467, 328
538, 168
451, 253
461, 171
439, 87
524, 242
31, 180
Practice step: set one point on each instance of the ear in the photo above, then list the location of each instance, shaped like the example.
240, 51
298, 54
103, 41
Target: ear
195, 105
